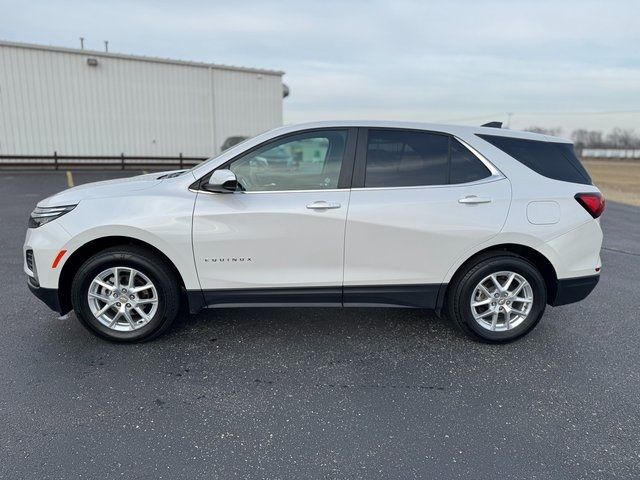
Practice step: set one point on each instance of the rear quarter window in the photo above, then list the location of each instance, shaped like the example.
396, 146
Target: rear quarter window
465, 166
550, 159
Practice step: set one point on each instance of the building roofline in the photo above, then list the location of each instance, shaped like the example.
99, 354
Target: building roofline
141, 58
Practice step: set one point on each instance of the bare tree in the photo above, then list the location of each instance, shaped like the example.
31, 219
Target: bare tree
621, 138
583, 138
617, 138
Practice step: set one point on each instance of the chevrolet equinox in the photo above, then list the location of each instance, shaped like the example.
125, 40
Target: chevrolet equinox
485, 225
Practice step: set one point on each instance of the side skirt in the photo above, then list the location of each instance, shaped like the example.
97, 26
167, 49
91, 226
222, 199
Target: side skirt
406, 296
273, 297
413, 296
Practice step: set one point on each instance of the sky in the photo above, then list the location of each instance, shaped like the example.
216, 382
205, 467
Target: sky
563, 63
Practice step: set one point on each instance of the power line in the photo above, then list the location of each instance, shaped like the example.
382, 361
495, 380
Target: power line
610, 112
469, 119
510, 114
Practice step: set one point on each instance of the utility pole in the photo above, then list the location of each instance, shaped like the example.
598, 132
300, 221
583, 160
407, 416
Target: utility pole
81, 43
509, 115
106, 46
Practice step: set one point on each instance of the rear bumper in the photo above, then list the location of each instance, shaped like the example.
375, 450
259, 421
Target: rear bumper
572, 290
48, 295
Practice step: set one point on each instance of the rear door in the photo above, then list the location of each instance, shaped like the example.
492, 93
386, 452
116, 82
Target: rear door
419, 201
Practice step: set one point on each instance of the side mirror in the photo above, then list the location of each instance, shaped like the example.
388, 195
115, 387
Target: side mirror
222, 181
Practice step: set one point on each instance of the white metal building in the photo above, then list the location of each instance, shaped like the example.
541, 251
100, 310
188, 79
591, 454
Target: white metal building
611, 153
83, 102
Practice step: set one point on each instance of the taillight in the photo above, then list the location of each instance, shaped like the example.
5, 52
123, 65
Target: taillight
592, 202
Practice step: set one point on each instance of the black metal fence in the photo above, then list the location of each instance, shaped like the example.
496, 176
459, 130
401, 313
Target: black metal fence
120, 162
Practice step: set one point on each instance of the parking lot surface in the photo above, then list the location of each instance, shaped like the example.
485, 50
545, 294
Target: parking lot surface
319, 393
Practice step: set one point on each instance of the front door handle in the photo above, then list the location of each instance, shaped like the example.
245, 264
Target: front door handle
322, 205
473, 199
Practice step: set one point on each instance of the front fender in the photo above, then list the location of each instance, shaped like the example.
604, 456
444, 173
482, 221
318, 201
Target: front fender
163, 222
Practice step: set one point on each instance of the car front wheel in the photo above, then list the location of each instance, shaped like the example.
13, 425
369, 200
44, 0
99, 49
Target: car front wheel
499, 298
125, 294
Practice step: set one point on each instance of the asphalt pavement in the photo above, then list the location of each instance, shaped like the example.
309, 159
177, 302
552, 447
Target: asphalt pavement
319, 393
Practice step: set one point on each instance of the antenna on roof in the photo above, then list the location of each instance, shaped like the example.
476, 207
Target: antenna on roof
493, 124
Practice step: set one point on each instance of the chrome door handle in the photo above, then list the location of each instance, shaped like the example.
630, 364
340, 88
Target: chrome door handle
322, 205
473, 199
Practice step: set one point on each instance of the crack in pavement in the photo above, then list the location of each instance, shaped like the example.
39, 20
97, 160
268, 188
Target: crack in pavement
609, 249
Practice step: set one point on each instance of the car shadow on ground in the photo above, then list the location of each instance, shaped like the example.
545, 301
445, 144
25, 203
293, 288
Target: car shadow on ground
301, 321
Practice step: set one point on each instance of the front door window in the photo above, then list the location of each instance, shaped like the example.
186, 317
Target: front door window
307, 161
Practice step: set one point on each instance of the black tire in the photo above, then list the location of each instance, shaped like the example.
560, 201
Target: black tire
146, 262
459, 294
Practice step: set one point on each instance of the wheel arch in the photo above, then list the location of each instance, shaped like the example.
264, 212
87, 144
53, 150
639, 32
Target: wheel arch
539, 260
84, 252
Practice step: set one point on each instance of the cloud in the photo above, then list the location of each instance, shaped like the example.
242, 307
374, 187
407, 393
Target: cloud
404, 59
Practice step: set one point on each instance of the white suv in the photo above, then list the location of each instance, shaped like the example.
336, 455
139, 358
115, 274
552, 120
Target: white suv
484, 224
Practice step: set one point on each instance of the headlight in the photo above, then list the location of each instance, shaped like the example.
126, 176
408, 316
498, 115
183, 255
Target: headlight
42, 215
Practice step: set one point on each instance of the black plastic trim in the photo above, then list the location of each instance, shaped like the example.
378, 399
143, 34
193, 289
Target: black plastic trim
571, 290
360, 167
195, 298
274, 296
412, 296
348, 161
442, 292
48, 295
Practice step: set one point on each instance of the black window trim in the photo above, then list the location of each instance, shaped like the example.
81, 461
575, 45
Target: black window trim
346, 169
359, 169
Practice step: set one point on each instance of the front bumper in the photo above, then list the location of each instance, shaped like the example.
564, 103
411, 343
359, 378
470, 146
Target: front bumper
46, 242
48, 295
571, 290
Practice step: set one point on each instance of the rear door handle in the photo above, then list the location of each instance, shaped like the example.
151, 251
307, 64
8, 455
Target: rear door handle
473, 199
322, 205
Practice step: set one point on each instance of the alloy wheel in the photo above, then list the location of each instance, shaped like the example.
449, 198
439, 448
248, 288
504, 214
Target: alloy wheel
501, 301
123, 299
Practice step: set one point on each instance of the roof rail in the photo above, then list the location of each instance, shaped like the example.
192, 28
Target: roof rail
493, 125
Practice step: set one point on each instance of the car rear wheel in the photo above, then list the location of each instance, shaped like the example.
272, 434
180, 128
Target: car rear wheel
126, 294
499, 298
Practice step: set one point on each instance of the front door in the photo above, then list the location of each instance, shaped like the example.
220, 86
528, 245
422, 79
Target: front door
281, 238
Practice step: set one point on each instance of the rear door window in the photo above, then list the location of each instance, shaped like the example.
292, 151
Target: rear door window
404, 158
407, 158
551, 159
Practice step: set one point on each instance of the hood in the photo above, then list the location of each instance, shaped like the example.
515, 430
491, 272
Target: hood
108, 188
